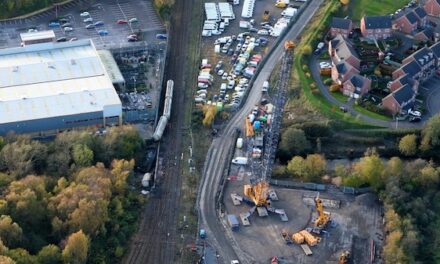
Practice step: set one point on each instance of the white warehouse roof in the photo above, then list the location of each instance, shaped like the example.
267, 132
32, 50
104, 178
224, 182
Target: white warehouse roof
212, 12
248, 8
49, 34
226, 10
53, 79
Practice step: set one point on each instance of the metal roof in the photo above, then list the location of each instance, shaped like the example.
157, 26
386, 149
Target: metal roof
111, 66
226, 10
53, 79
212, 12
49, 34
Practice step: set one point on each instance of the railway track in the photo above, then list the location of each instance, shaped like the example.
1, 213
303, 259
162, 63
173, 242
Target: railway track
157, 235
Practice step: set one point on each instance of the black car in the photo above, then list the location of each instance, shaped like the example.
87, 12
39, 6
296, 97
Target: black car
415, 119
62, 39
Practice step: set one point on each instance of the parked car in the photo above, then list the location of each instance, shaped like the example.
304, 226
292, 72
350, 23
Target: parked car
73, 39
121, 22
68, 29
99, 23
220, 72
64, 20
32, 30
90, 26
414, 113
415, 119
88, 20
225, 76
54, 24
263, 32
162, 36
84, 14
66, 25
133, 20
103, 32
62, 39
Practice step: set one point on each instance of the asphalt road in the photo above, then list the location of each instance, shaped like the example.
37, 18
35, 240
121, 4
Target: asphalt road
217, 234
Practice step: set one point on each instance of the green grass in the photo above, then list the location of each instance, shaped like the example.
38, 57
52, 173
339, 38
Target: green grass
374, 7
366, 112
340, 97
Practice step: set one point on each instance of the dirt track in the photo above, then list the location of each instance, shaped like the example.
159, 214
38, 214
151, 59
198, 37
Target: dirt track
155, 242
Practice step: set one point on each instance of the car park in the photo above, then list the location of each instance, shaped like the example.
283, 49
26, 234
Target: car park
88, 20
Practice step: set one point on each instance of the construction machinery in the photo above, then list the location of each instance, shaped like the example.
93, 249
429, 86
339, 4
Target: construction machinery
258, 193
266, 15
286, 237
344, 257
249, 128
289, 44
323, 217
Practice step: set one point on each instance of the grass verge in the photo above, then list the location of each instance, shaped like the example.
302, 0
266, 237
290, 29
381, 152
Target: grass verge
360, 8
371, 114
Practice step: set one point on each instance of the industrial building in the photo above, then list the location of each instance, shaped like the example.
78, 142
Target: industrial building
29, 38
51, 87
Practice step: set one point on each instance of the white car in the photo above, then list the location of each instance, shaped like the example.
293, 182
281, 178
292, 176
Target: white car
235, 262
88, 20
220, 72
225, 76
84, 14
414, 113
263, 32
68, 29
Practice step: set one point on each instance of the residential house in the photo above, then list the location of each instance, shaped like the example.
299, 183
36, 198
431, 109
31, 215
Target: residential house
399, 100
412, 69
407, 23
436, 51
340, 49
436, 32
425, 59
342, 71
424, 35
432, 7
402, 81
341, 26
356, 86
377, 27
423, 17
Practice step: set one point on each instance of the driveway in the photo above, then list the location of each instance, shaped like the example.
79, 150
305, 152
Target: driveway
431, 93
314, 68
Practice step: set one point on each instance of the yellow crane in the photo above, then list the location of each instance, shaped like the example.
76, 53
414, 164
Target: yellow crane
344, 257
258, 193
323, 217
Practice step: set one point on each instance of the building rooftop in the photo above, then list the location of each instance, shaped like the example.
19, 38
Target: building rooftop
53, 79
404, 94
436, 49
412, 68
341, 23
373, 22
421, 13
49, 34
343, 48
412, 17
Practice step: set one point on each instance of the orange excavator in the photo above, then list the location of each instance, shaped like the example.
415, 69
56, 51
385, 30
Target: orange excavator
323, 217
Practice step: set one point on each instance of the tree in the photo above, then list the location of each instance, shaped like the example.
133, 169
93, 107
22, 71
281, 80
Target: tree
90, 216
21, 256
123, 142
408, 145
76, 249
50, 254
307, 49
120, 170
82, 155
370, 169
431, 134
23, 156
294, 141
309, 169
10, 232
6, 260
210, 112
345, 2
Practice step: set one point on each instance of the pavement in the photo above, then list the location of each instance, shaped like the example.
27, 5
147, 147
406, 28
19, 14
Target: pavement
314, 68
217, 233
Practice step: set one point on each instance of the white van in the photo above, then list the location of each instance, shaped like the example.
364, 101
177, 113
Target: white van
223, 87
221, 28
240, 161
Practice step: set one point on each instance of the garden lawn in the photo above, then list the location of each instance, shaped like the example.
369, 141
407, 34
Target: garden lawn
374, 7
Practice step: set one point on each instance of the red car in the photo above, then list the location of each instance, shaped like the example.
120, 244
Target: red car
121, 22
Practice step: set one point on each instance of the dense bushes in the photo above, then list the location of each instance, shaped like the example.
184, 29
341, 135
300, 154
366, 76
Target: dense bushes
12, 8
65, 198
